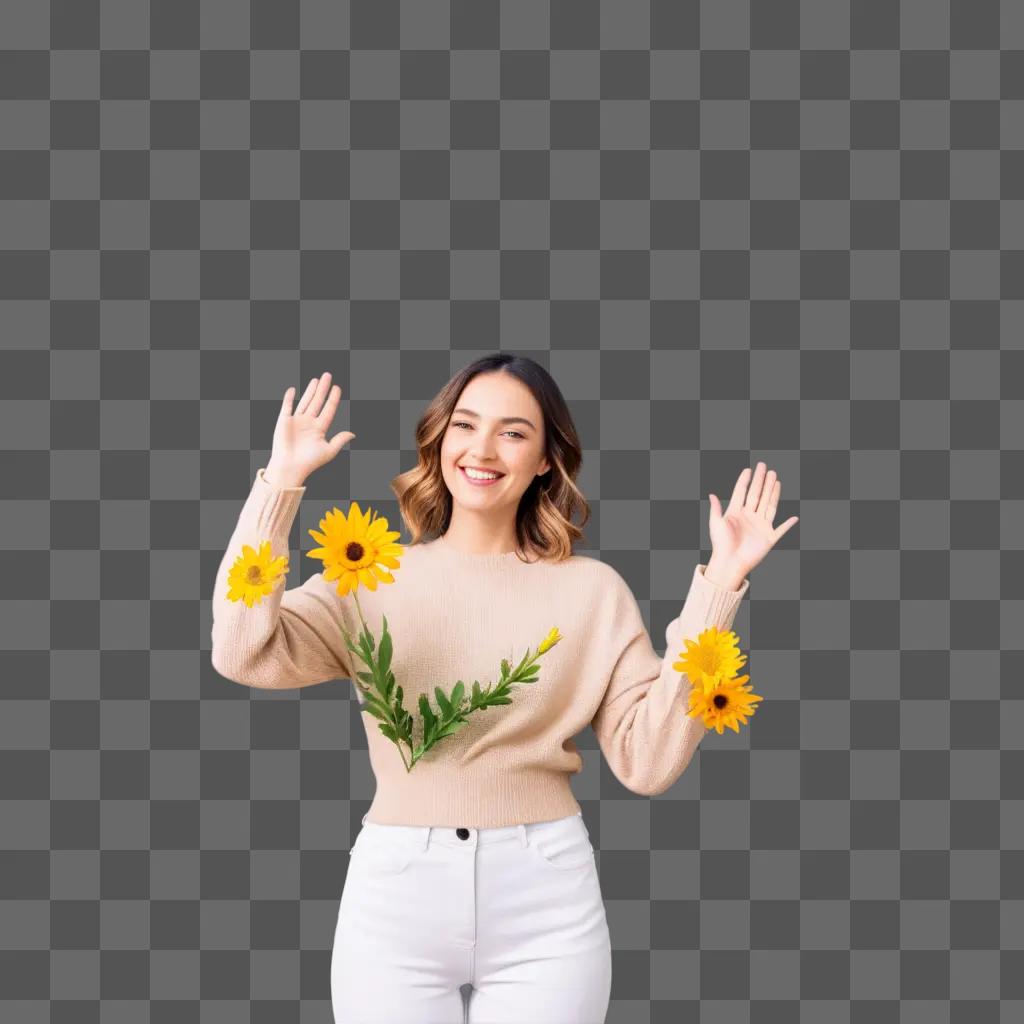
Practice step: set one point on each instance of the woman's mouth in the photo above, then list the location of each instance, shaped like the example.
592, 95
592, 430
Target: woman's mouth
479, 483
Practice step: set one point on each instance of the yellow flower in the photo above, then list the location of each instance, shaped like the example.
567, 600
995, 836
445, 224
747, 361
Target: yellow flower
356, 549
253, 575
714, 656
726, 704
549, 641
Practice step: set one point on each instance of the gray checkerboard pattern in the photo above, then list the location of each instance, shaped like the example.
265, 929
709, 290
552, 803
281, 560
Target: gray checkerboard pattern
732, 231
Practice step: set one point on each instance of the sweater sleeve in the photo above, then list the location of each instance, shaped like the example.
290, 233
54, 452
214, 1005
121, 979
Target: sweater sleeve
291, 638
641, 725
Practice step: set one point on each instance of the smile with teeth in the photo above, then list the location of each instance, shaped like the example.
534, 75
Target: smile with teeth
480, 479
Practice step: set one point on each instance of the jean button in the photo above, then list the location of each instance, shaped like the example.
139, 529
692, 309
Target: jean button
462, 833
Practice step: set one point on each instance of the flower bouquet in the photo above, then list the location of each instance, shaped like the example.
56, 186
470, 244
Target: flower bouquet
717, 694
359, 549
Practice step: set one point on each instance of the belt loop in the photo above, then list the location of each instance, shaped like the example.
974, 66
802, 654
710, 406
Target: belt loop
425, 837
522, 835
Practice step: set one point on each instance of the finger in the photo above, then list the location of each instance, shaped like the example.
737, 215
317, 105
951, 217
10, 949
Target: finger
286, 404
340, 440
770, 504
754, 494
306, 397
785, 528
739, 492
323, 388
767, 490
330, 406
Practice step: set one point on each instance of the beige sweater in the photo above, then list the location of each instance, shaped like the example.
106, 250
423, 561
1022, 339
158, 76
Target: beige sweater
454, 616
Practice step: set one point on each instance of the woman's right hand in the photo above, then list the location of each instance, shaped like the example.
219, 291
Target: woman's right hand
300, 438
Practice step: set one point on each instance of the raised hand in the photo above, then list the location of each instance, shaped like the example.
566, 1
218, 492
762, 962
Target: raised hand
300, 437
744, 534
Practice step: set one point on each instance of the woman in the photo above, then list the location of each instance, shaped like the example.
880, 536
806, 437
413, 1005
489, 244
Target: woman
475, 866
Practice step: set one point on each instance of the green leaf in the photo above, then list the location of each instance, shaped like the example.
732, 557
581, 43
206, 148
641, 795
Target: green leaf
388, 731
375, 710
442, 702
384, 656
427, 714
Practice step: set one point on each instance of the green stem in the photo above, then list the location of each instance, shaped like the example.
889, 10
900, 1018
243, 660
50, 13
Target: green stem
359, 607
362, 619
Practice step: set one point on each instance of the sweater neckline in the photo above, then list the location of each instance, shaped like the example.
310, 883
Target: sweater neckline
489, 558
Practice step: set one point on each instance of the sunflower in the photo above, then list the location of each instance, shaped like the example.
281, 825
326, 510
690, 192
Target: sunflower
715, 655
253, 575
356, 549
726, 704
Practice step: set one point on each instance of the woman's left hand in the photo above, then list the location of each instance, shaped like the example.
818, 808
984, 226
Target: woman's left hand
744, 534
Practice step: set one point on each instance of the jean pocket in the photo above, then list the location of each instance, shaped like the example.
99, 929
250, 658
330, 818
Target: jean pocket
380, 856
565, 851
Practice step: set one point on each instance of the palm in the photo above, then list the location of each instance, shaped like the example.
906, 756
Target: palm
304, 437
744, 533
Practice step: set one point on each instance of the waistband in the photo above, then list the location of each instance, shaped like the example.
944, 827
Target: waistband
421, 836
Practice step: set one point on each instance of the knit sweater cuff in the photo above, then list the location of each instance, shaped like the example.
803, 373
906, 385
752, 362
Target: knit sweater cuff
719, 602
276, 506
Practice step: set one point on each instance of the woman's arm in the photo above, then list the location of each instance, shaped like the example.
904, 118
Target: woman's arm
641, 725
291, 638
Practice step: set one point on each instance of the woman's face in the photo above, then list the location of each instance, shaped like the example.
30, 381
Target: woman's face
478, 437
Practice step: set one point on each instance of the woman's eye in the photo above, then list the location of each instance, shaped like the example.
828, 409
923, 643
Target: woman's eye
519, 436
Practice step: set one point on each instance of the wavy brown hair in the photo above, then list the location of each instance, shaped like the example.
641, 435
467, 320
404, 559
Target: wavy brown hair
544, 517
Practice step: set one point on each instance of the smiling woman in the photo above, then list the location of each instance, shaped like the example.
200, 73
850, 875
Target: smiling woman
455, 837
498, 460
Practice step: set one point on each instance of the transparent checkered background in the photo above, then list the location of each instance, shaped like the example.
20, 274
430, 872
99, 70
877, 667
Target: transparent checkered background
732, 231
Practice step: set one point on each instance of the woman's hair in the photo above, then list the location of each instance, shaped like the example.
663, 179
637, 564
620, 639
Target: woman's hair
544, 517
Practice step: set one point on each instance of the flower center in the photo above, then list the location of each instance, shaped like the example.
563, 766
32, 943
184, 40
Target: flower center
354, 551
253, 574
719, 701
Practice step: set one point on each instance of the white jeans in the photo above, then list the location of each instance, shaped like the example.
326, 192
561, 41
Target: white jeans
515, 911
